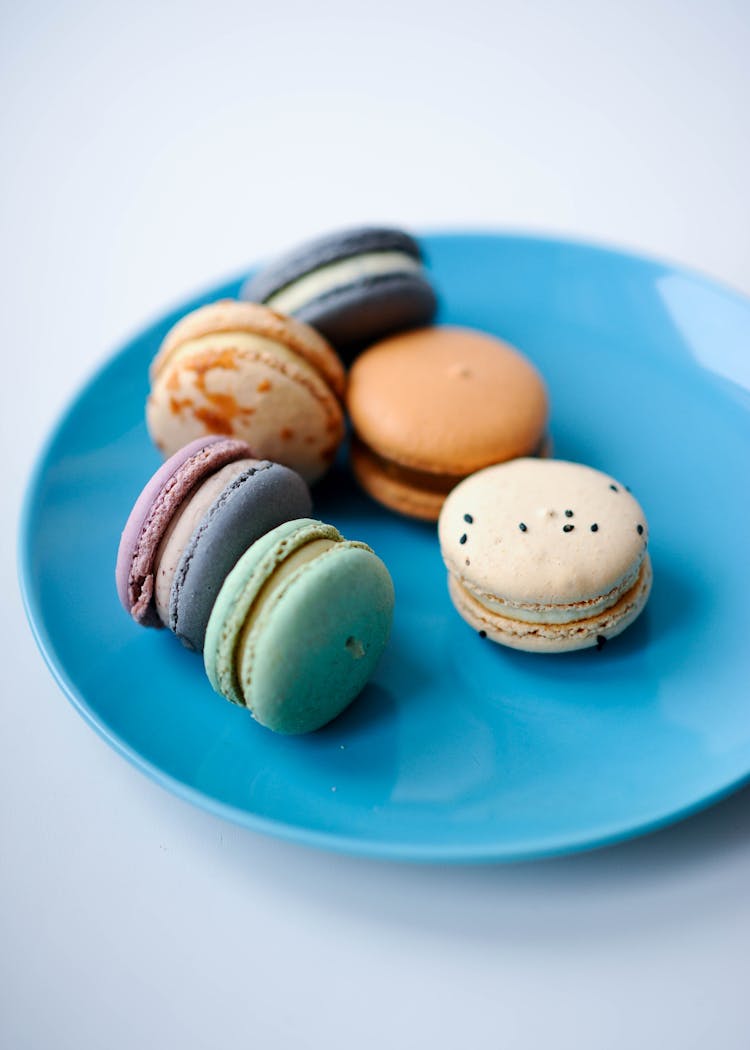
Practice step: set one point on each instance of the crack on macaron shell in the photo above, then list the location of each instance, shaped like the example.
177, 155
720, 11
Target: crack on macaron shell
555, 638
260, 421
187, 476
232, 317
240, 590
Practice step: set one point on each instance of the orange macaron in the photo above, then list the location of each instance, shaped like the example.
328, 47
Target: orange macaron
431, 406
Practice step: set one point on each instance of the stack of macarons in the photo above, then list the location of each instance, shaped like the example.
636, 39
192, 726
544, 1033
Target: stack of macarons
219, 548
249, 399
429, 404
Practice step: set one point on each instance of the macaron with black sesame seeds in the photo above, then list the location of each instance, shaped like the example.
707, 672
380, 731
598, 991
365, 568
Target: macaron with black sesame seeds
555, 555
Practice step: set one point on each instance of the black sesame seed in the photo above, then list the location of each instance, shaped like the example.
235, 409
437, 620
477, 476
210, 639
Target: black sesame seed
468, 562
468, 519
594, 527
482, 634
522, 526
463, 538
568, 528
600, 642
614, 488
640, 529
568, 513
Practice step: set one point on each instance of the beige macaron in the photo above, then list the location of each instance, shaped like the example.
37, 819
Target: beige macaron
435, 404
244, 370
545, 555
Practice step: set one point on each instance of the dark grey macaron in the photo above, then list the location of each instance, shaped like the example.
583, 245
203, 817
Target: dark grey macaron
251, 505
355, 286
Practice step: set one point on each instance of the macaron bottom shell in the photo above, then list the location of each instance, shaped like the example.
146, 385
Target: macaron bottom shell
554, 637
354, 316
417, 494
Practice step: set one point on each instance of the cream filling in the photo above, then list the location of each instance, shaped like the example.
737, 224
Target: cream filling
183, 525
268, 592
542, 613
337, 274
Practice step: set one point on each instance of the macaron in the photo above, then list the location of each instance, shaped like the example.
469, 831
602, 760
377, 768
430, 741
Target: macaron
299, 626
545, 555
431, 406
199, 512
245, 371
354, 286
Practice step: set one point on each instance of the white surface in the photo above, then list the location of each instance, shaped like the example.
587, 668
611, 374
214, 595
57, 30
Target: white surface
149, 149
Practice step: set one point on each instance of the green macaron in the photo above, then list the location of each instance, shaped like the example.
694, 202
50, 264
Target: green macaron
299, 625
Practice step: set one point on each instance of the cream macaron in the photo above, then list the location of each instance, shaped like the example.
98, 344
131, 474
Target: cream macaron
545, 555
245, 371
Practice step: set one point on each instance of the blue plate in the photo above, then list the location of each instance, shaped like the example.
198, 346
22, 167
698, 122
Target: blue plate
459, 750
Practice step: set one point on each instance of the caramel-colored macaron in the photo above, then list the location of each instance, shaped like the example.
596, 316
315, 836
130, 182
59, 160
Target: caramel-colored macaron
433, 405
244, 370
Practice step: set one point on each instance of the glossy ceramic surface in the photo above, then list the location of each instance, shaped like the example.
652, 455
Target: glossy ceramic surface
458, 750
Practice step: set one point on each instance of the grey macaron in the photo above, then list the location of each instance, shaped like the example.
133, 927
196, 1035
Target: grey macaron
250, 506
355, 286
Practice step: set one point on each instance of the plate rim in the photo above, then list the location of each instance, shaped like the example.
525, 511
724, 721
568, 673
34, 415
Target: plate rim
371, 848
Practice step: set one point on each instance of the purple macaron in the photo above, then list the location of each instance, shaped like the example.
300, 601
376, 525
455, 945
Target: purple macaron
191, 523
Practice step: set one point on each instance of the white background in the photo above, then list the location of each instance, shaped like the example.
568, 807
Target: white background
150, 149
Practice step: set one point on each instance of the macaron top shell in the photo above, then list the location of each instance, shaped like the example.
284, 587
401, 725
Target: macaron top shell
446, 400
545, 532
152, 512
230, 316
322, 251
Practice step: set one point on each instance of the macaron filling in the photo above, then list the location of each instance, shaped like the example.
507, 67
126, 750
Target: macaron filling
424, 480
183, 525
550, 612
556, 637
326, 279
